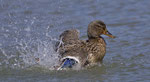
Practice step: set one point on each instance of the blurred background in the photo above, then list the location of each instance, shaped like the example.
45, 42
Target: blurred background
29, 30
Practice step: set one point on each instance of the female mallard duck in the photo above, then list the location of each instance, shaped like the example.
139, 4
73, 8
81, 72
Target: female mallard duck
88, 52
96, 45
70, 50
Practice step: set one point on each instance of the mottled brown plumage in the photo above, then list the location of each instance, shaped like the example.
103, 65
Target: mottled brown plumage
89, 52
96, 45
71, 42
70, 36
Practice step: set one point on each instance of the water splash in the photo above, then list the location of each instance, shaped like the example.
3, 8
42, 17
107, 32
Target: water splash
31, 53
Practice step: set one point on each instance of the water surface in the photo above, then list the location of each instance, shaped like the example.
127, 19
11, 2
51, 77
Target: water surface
29, 30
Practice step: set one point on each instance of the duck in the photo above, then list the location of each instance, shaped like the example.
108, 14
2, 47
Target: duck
96, 45
76, 53
70, 50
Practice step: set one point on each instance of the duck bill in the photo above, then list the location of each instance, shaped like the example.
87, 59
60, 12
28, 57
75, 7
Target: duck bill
109, 34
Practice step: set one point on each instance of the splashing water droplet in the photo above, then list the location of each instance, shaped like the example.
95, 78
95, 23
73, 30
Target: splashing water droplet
40, 53
32, 53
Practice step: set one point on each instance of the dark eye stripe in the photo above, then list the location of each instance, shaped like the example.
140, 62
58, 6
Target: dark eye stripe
98, 25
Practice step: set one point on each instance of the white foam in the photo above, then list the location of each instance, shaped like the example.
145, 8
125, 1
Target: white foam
40, 53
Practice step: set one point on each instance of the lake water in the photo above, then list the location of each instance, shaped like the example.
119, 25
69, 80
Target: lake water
30, 28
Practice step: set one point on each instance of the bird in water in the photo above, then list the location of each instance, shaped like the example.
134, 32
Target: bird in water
79, 53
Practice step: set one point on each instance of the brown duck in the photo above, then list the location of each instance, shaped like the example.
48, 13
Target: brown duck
89, 52
96, 45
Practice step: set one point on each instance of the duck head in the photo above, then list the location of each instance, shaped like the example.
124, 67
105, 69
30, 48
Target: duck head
97, 28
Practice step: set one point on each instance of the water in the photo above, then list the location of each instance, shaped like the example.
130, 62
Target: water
29, 30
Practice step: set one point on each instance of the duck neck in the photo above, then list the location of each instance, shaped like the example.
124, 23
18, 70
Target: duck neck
97, 38
90, 37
